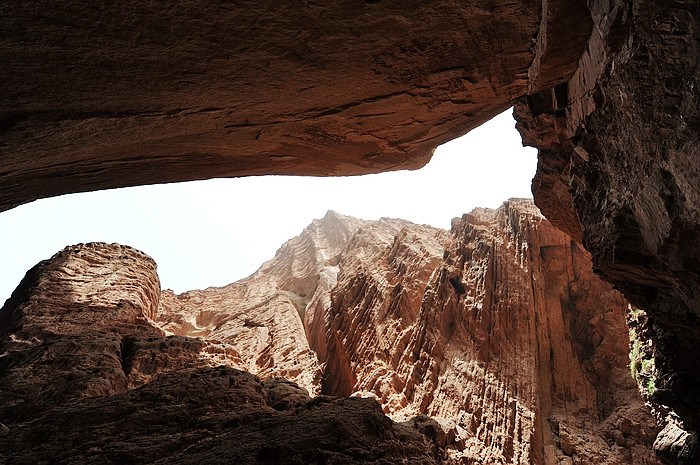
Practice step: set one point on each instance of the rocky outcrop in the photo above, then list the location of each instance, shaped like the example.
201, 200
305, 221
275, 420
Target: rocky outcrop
62, 330
499, 330
490, 343
618, 168
261, 317
511, 336
87, 377
97, 97
213, 415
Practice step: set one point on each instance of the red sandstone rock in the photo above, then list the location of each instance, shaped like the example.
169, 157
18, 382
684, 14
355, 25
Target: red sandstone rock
500, 328
261, 317
618, 168
511, 336
87, 377
217, 416
494, 329
97, 96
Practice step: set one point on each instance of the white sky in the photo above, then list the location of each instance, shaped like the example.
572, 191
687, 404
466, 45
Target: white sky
212, 233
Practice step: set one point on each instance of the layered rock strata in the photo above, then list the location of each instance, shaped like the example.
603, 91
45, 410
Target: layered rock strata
618, 169
512, 337
87, 377
99, 96
498, 327
494, 330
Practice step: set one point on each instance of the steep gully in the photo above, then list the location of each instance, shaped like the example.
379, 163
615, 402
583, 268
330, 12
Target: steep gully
497, 330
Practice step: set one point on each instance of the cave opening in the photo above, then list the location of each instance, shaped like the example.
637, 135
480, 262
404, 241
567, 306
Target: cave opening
214, 232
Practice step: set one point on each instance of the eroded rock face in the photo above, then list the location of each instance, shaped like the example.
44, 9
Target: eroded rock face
87, 377
261, 317
99, 96
618, 168
498, 329
511, 336
492, 343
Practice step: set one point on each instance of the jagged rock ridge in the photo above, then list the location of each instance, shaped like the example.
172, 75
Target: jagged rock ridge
492, 328
499, 327
98, 96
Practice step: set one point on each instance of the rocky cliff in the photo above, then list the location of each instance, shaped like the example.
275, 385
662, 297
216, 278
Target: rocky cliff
99, 96
499, 327
618, 168
492, 343
504, 330
86, 376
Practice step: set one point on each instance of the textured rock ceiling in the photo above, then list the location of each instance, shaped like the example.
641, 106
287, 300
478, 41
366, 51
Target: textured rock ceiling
106, 95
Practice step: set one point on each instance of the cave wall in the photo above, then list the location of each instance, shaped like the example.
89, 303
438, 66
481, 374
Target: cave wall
619, 169
103, 96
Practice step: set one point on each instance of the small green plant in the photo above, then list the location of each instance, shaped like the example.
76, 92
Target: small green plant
651, 385
642, 362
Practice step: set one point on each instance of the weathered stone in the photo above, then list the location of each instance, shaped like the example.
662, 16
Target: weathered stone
502, 328
618, 169
87, 377
676, 445
98, 96
212, 415
499, 327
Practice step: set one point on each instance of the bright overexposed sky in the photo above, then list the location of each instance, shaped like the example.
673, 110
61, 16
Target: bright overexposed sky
211, 233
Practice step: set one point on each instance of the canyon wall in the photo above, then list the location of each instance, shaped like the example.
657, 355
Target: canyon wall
490, 343
618, 169
99, 96
511, 336
499, 329
86, 376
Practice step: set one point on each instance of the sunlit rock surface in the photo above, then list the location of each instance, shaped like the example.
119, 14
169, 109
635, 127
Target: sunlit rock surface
97, 96
87, 377
499, 327
489, 343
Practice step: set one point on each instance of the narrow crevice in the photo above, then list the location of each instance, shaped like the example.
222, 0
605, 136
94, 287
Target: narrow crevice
128, 348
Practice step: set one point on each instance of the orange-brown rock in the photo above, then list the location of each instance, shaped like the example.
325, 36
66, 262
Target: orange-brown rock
87, 377
506, 332
499, 330
217, 416
618, 169
262, 317
99, 96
